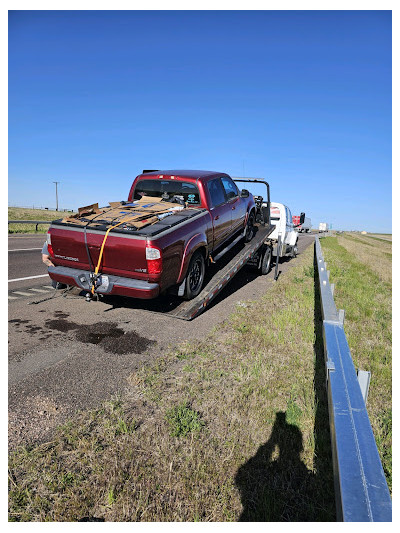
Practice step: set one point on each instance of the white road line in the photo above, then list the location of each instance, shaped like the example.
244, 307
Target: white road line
29, 277
24, 249
13, 297
23, 293
39, 290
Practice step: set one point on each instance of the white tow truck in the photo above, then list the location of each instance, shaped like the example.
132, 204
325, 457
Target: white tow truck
282, 242
285, 229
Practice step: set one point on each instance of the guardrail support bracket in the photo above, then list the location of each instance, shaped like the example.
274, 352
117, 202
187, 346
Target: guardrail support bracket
330, 367
364, 379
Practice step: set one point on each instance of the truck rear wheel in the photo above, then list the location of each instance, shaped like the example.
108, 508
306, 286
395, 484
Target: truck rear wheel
195, 276
265, 266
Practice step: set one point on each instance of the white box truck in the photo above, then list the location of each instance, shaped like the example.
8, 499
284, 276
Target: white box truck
323, 226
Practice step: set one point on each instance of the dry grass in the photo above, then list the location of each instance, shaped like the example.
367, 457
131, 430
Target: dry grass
374, 253
382, 236
231, 428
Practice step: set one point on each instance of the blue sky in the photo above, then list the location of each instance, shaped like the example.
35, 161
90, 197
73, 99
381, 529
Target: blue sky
301, 98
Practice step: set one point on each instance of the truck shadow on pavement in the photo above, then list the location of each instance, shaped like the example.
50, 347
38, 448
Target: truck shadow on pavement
275, 485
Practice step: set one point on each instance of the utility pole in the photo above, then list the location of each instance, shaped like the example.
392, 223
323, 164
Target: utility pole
56, 182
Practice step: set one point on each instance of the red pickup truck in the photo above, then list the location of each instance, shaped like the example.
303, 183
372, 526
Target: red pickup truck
164, 250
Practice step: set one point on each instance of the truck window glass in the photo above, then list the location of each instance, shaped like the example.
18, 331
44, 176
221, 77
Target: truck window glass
230, 188
216, 191
167, 189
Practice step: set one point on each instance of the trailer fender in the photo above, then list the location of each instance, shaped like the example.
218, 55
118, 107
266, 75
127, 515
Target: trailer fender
194, 243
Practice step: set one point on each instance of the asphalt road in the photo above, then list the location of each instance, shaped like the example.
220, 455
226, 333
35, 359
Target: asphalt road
66, 354
25, 261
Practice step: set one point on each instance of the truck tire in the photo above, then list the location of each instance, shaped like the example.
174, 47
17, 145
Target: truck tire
294, 251
265, 266
250, 227
195, 276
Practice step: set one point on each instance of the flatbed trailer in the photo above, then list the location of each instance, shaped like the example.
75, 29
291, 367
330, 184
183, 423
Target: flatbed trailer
190, 309
219, 276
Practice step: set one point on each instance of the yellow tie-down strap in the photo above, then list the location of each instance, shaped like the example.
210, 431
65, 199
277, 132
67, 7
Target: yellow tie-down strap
140, 219
96, 270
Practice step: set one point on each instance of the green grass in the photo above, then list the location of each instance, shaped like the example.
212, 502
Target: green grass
182, 420
367, 300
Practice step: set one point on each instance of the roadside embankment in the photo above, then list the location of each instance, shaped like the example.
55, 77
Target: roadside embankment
22, 213
234, 427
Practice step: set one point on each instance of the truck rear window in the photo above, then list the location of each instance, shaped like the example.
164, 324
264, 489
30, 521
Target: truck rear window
167, 189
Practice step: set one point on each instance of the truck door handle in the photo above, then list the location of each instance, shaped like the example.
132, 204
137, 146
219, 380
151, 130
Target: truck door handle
234, 207
217, 217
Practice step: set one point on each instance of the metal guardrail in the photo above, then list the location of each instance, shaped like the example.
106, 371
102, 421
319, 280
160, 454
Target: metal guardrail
37, 222
41, 208
361, 491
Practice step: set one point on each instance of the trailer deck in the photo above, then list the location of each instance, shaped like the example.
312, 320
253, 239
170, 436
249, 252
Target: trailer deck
217, 277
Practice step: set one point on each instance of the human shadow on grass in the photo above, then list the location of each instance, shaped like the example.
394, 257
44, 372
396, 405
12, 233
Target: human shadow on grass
276, 488
274, 484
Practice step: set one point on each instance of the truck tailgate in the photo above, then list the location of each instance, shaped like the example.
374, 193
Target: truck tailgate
123, 255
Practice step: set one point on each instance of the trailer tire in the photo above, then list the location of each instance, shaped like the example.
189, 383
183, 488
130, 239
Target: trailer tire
195, 276
250, 227
265, 266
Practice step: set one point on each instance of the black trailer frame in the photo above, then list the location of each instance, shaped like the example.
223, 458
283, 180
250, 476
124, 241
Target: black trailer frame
192, 308
252, 251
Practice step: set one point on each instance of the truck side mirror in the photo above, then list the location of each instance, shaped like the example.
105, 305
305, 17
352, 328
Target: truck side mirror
302, 217
244, 193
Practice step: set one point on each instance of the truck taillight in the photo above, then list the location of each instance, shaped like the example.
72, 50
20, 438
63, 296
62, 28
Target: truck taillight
154, 260
49, 246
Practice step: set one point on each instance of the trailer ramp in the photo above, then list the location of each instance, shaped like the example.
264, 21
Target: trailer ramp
190, 309
217, 277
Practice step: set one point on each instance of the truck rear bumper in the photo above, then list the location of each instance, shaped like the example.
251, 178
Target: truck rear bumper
135, 288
